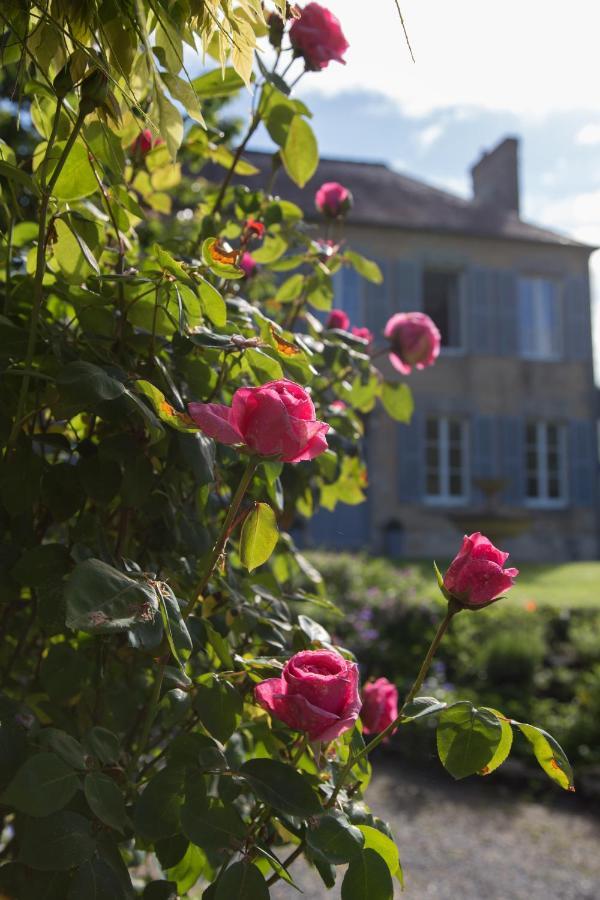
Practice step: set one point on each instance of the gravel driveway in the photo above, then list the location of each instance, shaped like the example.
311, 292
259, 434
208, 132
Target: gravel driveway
477, 840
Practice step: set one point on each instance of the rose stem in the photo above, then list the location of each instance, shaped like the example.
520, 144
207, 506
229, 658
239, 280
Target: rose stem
219, 546
453, 608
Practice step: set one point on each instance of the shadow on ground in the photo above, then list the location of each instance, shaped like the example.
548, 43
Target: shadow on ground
478, 839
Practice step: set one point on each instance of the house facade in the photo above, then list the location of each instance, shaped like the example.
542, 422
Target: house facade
503, 438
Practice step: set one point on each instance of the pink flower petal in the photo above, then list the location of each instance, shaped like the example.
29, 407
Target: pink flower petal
214, 420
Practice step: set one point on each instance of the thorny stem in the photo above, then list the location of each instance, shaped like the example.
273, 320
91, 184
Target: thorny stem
453, 608
226, 530
40, 265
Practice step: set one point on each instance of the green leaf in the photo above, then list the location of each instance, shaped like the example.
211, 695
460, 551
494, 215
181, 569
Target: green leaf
219, 706
95, 879
41, 565
56, 843
185, 93
367, 878
105, 800
467, 738
290, 289
550, 755
365, 267
217, 83
157, 812
277, 866
64, 746
505, 744
213, 304
282, 787
18, 176
77, 178
170, 123
334, 839
103, 744
382, 844
300, 154
213, 828
421, 707
212, 257
189, 869
178, 420
243, 881
398, 401
83, 382
259, 536
102, 600
43, 785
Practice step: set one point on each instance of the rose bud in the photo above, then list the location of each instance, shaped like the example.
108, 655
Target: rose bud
333, 199
317, 693
276, 420
317, 36
248, 264
414, 341
363, 333
253, 229
476, 577
380, 705
338, 319
144, 143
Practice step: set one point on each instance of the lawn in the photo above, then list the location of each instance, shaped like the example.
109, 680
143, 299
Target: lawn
575, 585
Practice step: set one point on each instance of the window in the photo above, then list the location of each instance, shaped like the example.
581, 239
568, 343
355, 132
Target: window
545, 464
539, 318
441, 302
446, 459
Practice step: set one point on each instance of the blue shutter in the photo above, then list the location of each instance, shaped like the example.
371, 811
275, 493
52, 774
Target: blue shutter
512, 459
480, 311
484, 451
408, 287
377, 301
506, 326
411, 460
345, 528
347, 286
583, 465
577, 318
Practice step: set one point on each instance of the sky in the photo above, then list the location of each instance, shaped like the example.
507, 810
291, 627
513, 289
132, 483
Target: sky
483, 69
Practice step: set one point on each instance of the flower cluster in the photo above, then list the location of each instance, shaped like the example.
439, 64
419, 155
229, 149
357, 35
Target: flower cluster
339, 319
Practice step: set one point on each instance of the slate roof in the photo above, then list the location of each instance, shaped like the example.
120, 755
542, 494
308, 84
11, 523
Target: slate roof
385, 198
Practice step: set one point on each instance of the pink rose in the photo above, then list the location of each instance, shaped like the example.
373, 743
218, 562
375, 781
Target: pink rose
275, 420
317, 693
248, 264
317, 36
144, 142
380, 705
333, 199
414, 341
363, 333
476, 577
338, 319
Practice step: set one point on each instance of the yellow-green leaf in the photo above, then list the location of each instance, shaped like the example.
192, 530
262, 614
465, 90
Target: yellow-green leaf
259, 536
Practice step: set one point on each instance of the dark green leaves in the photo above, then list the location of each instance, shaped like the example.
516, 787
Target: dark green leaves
259, 536
156, 813
219, 706
212, 827
105, 800
367, 878
334, 839
101, 600
43, 785
282, 787
467, 738
243, 881
57, 843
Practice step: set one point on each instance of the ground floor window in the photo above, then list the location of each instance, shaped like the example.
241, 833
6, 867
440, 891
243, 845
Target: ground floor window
545, 482
446, 459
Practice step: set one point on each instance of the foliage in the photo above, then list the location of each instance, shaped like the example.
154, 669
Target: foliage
137, 615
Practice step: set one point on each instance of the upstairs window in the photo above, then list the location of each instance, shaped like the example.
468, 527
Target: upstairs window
446, 459
441, 302
545, 483
539, 319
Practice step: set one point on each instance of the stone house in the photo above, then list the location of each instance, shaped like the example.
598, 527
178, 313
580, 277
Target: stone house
503, 438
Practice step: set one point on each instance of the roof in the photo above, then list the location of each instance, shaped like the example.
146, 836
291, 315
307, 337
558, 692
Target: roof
385, 198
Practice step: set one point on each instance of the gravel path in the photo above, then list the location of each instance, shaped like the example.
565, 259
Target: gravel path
477, 840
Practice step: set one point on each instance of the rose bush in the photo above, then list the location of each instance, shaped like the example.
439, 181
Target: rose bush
149, 580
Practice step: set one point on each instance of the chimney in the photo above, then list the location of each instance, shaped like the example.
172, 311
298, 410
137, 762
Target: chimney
496, 178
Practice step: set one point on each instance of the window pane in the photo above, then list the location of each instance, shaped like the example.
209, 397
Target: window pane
433, 484
441, 301
526, 316
455, 457
432, 429
531, 434
432, 457
455, 484
554, 488
532, 486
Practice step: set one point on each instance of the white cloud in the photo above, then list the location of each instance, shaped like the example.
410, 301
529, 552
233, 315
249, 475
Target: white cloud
588, 135
531, 58
578, 215
429, 135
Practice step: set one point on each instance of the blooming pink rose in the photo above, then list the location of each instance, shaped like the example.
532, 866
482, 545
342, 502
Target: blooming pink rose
380, 705
414, 341
317, 693
333, 199
363, 333
476, 577
317, 36
338, 319
248, 264
275, 420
